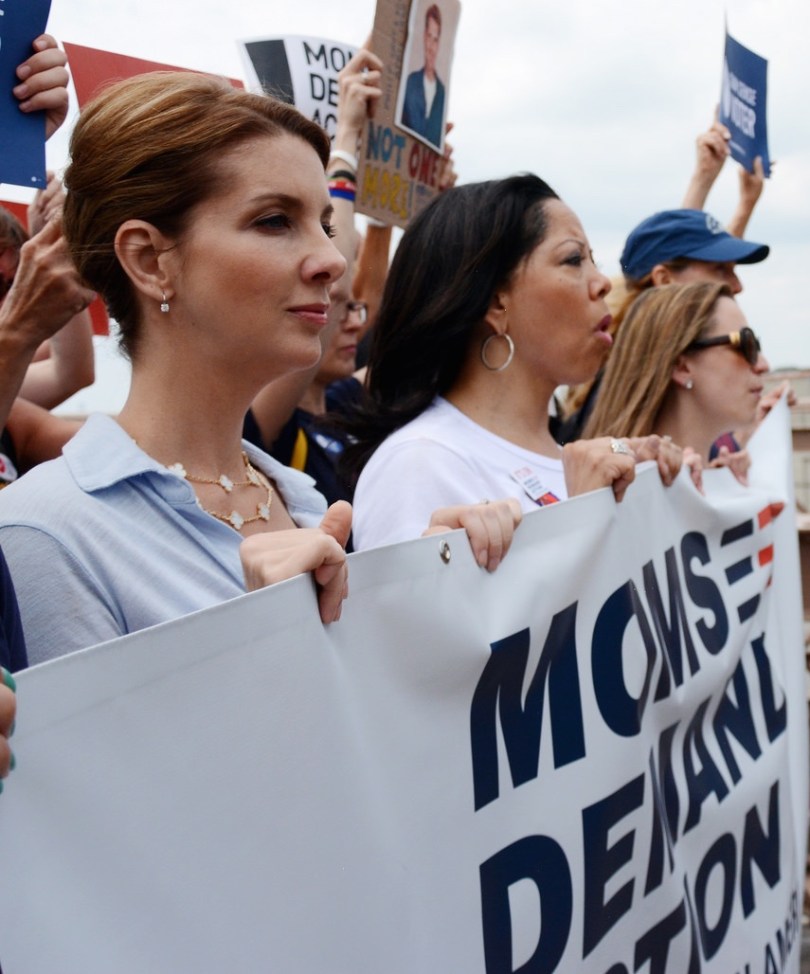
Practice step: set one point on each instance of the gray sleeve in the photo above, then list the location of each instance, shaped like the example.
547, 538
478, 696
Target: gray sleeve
62, 606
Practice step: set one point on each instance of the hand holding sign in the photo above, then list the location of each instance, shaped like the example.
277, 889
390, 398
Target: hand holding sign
43, 83
22, 161
359, 90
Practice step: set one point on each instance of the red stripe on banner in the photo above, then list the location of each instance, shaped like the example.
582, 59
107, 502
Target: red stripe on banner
766, 555
767, 514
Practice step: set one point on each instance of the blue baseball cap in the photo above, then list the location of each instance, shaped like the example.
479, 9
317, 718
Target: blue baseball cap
691, 234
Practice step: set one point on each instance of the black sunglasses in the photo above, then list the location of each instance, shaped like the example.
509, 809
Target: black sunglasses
744, 341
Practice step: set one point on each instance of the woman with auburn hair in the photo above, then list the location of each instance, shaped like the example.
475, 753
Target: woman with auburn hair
492, 301
685, 365
201, 214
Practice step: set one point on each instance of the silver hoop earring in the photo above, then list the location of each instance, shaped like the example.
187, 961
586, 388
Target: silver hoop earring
510, 354
164, 304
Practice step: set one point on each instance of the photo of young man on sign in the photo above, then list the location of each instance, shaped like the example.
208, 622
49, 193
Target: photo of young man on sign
422, 99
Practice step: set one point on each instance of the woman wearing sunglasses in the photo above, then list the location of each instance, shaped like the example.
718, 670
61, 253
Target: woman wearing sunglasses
686, 365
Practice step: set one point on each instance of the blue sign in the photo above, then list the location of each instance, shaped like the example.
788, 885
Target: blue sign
742, 104
22, 135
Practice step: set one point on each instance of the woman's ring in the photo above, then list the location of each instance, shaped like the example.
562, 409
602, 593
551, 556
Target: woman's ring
616, 446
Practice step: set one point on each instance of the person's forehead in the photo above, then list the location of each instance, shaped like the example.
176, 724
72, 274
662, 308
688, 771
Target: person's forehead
561, 221
729, 312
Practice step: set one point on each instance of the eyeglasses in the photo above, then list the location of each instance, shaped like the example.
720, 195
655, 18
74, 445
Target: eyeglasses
357, 308
744, 341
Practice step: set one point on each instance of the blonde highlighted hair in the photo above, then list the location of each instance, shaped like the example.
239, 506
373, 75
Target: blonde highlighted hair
660, 326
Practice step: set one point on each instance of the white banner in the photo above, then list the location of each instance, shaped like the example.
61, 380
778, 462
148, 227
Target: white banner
593, 760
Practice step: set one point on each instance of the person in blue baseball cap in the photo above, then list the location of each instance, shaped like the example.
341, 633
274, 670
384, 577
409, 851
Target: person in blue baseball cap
683, 247
670, 247
679, 246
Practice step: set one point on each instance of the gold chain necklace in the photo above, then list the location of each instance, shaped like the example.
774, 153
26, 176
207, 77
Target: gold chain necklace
254, 478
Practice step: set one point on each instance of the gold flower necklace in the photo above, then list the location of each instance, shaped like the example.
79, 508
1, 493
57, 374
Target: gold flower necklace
254, 478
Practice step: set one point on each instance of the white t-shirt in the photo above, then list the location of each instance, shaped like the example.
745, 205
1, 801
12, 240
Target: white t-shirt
440, 459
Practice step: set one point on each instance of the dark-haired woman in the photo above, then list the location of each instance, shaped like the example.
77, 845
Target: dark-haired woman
492, 301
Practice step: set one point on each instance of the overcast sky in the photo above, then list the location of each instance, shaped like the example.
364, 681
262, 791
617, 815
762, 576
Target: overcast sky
604, 103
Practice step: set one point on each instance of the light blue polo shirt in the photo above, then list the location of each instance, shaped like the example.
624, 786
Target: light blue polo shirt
105, 541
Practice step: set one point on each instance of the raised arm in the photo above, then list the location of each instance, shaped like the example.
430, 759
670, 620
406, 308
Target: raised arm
45, 295
358, 91
711, 152
751, 186
65, 363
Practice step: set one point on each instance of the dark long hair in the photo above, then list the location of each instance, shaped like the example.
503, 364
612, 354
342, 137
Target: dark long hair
452, 259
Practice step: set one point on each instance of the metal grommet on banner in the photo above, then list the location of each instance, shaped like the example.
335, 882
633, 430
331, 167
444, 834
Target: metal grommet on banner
444, 552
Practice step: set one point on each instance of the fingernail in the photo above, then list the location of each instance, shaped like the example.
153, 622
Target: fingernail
24, 71
21, 91
13, 763
8, 679
481, 558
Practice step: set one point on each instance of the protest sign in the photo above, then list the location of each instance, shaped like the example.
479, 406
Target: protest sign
22, 135
400, 152
92, 69
592, 760
742, 104
302, 71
